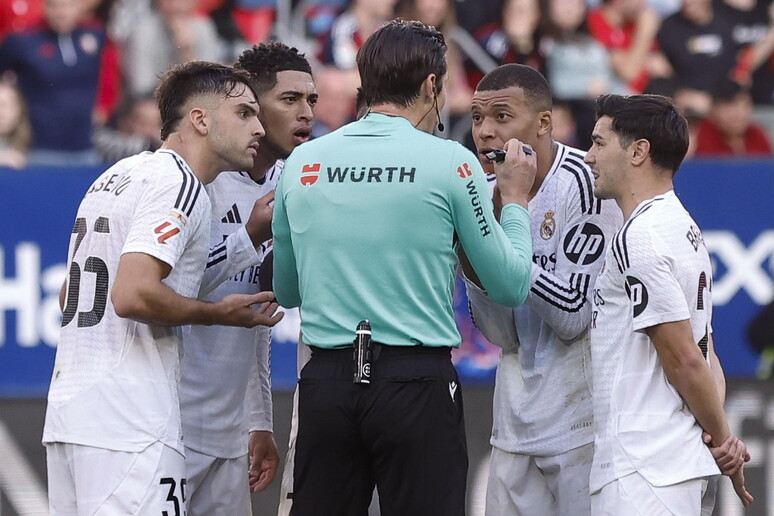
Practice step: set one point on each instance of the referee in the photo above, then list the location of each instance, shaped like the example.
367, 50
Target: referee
366, 224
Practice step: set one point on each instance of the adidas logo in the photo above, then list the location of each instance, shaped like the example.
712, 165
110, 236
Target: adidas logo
232, 216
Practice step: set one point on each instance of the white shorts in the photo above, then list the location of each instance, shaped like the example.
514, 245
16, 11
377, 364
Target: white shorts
217, 487
526, 485
633, 495
83, 480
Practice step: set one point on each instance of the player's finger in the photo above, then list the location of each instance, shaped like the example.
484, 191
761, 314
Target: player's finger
266, 199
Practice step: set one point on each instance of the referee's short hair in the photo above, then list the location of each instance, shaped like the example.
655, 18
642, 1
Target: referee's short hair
395, 60
185, 81
536, 89
648, 117
264, 61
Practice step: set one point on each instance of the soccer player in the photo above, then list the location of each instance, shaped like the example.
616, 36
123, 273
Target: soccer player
366, 222
219, 426
138, 249
651, 349
542, 437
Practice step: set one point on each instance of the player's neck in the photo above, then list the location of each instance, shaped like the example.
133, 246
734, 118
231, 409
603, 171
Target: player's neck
262, 163
546, 155
643, 190
194, 156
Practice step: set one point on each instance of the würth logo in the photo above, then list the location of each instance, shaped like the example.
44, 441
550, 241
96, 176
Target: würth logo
310, 174
464, 171
164, 233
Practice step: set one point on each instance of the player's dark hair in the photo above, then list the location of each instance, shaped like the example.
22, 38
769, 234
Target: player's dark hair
649, 117
536, 89
395, 60
264, 61
182, 82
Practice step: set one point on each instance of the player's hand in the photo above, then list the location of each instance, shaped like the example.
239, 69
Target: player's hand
258, 226
730, 456
238, 310
737, 479
516, 174
264, 460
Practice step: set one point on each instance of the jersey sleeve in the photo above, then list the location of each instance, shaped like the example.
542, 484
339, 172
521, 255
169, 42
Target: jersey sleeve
258, 397
230, 257
167, 216
501, 254
655, 294
285, 282
495, 322
560, 297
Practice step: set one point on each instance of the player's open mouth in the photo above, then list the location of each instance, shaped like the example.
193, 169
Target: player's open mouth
302, 135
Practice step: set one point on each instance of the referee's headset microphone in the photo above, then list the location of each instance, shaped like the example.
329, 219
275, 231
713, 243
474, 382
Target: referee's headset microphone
437, 112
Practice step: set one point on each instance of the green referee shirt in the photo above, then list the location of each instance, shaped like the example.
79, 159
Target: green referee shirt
366, 221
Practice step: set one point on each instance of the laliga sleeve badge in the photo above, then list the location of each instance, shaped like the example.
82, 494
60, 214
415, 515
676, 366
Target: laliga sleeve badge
548, 227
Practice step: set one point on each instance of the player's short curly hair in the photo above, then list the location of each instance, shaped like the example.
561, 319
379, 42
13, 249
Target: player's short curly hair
263, 62
535, 86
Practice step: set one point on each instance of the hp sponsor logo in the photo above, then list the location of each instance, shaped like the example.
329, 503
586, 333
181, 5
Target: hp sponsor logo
584, 245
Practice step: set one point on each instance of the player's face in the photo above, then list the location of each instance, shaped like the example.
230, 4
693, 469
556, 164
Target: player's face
499, 116
287, 111
607, 160
236, 130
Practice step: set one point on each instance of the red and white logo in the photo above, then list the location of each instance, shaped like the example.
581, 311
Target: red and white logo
165, 231
310, 174
464, 171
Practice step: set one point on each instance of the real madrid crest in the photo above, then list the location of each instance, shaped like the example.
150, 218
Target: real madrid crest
548, 227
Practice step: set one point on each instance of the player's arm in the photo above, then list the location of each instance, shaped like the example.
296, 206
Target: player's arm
688, 371
560, 297
139, 293
500, 254
262, 450
241, 249
285, 280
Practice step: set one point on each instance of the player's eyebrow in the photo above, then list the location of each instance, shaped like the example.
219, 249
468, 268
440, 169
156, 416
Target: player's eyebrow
248, 107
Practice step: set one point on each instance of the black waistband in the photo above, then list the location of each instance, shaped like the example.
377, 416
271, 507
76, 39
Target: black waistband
382, 350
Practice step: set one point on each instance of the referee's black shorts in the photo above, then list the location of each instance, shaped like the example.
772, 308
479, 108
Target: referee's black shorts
404, 432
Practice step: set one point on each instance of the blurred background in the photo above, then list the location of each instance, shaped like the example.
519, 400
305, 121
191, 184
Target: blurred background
76, 95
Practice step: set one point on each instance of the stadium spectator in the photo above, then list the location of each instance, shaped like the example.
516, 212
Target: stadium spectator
15, 129
336, 104
563, 127
113, 433
729, 130
137, 127
628, 28
542, 436
172, 32
514, 39
699, 46
339, 46
652, 356
19, 15
224, 420
58, 66
577, 66
753, 31
340, 249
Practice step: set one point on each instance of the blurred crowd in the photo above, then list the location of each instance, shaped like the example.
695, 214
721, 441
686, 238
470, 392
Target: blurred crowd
77, 76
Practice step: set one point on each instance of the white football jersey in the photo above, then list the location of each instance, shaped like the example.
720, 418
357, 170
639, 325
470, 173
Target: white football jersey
542, 399
225, 386
115, 380
657, 270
